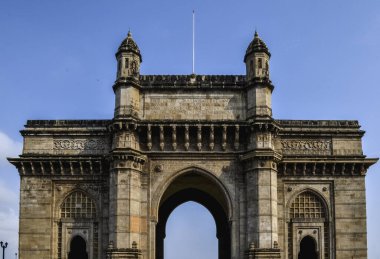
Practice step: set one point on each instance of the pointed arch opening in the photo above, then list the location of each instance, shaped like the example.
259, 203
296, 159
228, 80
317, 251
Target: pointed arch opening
308, 248
78, 248
194, 186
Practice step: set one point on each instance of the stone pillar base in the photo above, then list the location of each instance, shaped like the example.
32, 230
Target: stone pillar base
124, 253
263, 253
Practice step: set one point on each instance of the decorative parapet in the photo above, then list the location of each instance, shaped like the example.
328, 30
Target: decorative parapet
67, 123
192, 81
319, 123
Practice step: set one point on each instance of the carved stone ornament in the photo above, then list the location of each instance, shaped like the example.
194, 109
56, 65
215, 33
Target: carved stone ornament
158, 168
79, 144
306, 147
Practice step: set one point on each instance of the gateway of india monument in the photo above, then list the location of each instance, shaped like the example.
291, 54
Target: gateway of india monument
104, 189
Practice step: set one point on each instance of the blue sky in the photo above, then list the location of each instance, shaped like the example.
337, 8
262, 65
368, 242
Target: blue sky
57, 62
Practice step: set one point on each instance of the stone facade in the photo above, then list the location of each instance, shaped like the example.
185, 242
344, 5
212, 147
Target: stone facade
276, 188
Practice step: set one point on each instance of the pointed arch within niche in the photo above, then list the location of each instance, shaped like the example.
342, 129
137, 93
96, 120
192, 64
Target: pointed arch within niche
198, 187
308, 248
78, 248
78, 223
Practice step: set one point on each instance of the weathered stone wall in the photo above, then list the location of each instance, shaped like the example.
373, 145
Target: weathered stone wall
36, 204
350, 218
195, 105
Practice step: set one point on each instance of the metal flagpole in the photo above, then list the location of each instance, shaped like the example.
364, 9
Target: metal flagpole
193, 42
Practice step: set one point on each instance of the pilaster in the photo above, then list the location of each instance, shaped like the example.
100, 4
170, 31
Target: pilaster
126, 222
260, 166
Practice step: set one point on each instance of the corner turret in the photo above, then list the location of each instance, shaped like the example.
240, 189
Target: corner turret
257, 59
128, 58
259, 86
127, 86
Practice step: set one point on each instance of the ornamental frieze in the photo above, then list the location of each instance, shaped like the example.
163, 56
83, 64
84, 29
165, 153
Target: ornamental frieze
306, 147
79, 144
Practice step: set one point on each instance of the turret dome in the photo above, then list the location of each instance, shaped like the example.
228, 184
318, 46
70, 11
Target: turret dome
256, 45
129, 45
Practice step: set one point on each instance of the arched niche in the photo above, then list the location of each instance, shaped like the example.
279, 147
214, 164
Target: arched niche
308, 226
78, 221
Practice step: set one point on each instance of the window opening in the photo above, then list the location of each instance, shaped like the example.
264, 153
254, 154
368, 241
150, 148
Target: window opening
260, 61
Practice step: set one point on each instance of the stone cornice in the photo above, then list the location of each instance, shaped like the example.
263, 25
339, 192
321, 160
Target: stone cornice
260, 82
65, 127
355, 166
261, 154
54, 165
126, 81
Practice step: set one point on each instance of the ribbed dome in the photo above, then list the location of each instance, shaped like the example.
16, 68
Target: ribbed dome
129, 45
256, 45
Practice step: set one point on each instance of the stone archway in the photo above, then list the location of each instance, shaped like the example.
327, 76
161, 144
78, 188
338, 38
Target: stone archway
200, 189
78, 248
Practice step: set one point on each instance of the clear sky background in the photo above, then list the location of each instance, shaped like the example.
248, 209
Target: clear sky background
57, 62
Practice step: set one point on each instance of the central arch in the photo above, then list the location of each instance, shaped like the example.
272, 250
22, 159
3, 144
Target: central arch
194, 186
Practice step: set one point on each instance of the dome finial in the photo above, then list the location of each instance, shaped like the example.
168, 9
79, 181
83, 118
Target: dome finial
256, 45
129, 45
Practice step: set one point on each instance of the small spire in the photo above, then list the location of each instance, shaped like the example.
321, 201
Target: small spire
256, 34
129, 33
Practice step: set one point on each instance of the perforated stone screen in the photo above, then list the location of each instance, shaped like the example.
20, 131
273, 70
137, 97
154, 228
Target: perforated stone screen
307, 205
78, 205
